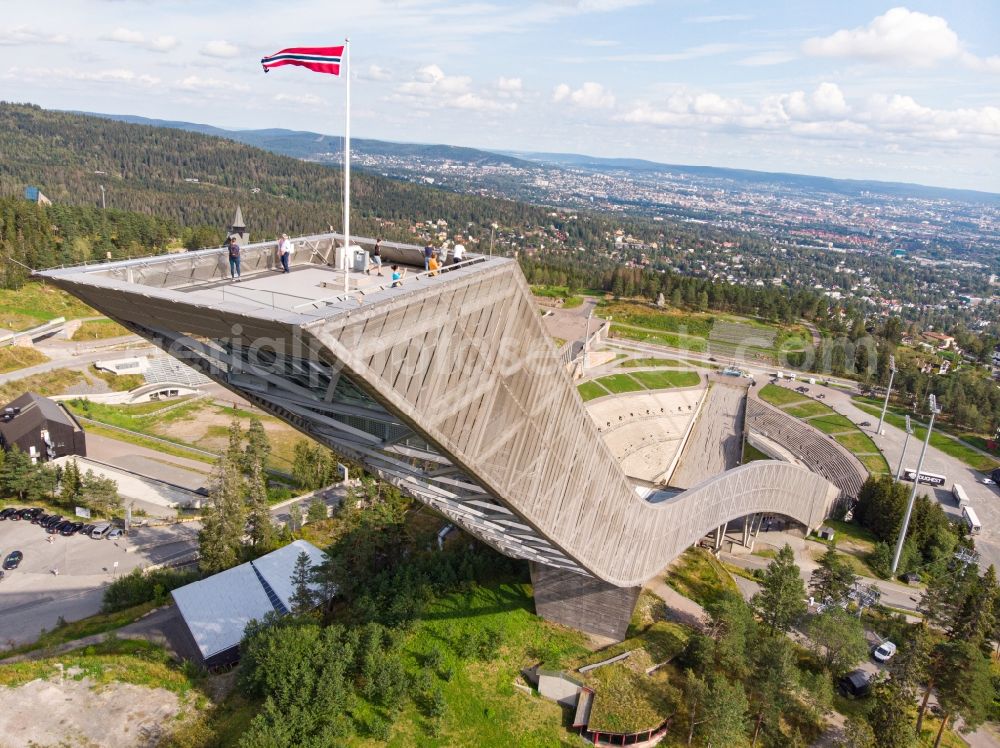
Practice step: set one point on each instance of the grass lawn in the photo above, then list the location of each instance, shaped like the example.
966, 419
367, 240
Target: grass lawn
14, 357
949, 446
629, 701
177, 451
120, 382
772, 393
484, 709
115, 660
50, 383
848, 531
699, 576
634, 314
751, 453
874, 463
96, 624
590, 390
807, 409
660, 380
636, 363
669, 339
99, 329
857, 442
35, 303
832, 423
619, 383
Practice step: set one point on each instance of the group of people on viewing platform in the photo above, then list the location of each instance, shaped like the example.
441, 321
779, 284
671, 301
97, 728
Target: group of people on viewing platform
434, 258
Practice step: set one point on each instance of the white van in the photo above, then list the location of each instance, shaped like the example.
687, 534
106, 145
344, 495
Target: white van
100, 530
884, 651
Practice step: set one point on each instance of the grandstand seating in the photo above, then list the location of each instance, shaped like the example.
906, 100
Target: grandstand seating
818, 451
167, 369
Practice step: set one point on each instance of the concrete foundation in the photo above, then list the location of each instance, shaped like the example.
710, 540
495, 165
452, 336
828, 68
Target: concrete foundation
583, 603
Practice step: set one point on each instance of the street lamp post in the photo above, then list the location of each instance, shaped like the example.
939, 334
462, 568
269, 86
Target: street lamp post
888, 391
906, 440
913, 493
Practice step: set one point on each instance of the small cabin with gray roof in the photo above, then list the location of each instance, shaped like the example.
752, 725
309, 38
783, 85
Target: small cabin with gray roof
41, 428
217, 610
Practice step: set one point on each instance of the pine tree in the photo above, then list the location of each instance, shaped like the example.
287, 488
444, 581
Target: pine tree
259, 525
224, 519
258, 446
782, 597
975, 620
890, 714
302, 598
963, 685
15, 473
71, 483
833, 578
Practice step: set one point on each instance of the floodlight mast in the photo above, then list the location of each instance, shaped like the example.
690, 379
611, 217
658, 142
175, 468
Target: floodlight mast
906, 440
913, 493
888, 391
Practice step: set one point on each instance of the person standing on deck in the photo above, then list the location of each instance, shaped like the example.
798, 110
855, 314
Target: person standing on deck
284, 252
376, 259
234, 258
428, 253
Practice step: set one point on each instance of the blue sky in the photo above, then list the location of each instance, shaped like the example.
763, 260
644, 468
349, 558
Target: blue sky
852, 89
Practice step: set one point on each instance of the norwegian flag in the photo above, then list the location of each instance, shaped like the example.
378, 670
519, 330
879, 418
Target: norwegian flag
317, 59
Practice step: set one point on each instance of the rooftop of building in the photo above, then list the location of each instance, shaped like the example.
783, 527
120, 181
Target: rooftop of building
29, 412
315, 287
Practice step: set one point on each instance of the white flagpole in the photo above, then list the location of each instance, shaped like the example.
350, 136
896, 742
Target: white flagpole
347, 164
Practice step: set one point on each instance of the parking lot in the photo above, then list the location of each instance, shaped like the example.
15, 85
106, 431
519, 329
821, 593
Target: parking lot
34, 596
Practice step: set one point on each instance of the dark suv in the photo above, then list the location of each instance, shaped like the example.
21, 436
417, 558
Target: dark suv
7, 513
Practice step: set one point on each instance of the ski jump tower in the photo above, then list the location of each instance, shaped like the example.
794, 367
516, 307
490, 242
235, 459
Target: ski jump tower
449, 387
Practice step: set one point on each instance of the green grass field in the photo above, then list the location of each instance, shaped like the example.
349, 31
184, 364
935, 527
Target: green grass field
635, 382
570, 300
50, 383
832, 422
874, 463
806, 409
95, 624
772, 393
591, 390
35, 303
636, 363
99, 329
669, 339
699, 576
619, 383
751, 453
659, 380
949, 446
14, 357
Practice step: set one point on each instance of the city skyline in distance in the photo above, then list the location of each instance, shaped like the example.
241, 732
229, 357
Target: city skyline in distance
871, 91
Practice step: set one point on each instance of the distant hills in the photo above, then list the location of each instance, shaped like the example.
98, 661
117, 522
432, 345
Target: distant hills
313, 146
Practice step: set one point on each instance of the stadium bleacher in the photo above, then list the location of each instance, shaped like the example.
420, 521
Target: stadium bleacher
167, 369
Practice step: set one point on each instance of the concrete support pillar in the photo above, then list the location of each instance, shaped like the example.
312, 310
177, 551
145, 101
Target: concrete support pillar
583, 602
720, 535
756, 531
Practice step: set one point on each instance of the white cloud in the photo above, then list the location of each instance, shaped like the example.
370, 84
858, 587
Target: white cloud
375, 73
597, 42
220, 48
138, 39
431, 87
824, 113
17, 35
510, 85
590, 95
309, 100
775, 57
120, 76
691, 53
197, 83
902, 37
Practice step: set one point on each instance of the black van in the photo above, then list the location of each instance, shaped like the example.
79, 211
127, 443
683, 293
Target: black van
855, 685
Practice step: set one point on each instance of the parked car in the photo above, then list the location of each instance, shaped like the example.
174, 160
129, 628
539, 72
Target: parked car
40, 518
55, 519
855, 685
116, 533
100, 531
821, 396
884, 651
30, 513
57, 527
87, 529
988, 482
13, 560
70, 528
6, 513
911, 577
864, 424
